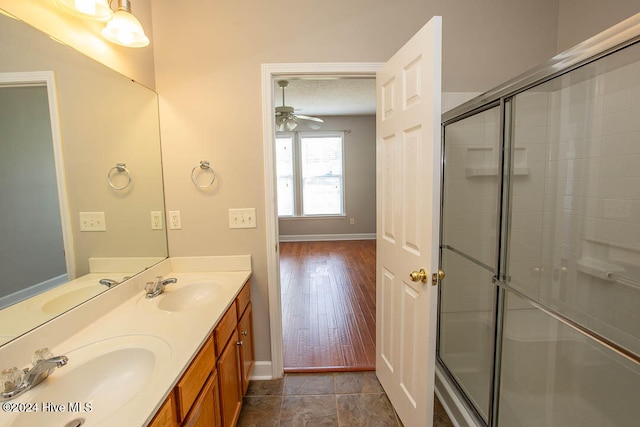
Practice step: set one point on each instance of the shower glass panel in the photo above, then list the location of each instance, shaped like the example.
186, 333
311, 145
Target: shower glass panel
466, 327
469, 219
556, 376
575, 215
471, 155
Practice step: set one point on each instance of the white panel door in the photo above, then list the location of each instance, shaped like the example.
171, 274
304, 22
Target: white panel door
408, 209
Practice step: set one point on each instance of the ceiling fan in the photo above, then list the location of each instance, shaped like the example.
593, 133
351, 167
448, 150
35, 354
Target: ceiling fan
286, 119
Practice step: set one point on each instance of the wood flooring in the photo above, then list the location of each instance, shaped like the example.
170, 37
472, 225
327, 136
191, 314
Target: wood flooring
328, 294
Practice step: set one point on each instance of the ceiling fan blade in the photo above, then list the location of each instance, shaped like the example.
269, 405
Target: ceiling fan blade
313, 119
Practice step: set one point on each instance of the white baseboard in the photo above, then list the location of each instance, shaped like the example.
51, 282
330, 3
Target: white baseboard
326, 237
262, 371
452, 403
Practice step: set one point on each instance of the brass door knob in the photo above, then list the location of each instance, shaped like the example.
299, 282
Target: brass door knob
437, 276
419, 276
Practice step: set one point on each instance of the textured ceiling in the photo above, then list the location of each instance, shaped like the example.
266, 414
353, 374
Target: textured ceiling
330, 97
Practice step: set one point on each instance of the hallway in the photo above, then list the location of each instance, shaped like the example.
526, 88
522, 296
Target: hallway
328, 305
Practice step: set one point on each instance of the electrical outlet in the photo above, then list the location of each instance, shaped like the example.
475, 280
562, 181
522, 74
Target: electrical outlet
242, 218
156, 220
175, 222
92, 221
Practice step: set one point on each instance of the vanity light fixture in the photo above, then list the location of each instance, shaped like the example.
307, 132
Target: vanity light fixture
124, 28
96, 10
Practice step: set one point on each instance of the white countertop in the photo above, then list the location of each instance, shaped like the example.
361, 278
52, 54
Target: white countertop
182, 331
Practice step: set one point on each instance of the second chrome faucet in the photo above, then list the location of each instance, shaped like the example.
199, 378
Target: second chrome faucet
155, 288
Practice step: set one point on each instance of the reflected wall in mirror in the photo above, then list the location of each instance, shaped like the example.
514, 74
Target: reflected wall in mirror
72, 121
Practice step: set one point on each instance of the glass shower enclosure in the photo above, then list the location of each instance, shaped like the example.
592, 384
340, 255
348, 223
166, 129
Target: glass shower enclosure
539, 315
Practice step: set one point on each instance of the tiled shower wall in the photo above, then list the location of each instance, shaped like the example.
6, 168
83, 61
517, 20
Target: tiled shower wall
576, 214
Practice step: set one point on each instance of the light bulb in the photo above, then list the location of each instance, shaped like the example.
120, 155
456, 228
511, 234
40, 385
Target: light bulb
96, 10
291, 124
86, 6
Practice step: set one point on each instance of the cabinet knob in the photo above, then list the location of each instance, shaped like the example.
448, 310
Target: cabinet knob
239, 342
244, 333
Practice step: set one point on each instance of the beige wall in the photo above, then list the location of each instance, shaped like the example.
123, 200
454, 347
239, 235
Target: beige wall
359, 179
208, 77
85, 36
579, 20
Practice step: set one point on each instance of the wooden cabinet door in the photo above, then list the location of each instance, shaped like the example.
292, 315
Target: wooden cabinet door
230, 382
247, 357
166, 415
194, 379
206, 410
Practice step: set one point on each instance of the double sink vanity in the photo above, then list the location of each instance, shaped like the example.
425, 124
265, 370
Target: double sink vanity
116, 358
181, 357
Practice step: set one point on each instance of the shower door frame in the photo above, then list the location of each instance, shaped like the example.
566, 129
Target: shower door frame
609, 41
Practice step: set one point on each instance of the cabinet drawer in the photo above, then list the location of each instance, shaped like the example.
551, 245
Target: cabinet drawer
243, 299
225, 328
194, 378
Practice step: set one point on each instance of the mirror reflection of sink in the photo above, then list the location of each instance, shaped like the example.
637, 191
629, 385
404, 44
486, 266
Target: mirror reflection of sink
70, 299
104, 377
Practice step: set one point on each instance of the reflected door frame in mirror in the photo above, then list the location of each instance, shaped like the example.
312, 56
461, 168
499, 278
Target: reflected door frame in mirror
47, 79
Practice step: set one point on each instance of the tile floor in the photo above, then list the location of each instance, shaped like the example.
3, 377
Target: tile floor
327, 399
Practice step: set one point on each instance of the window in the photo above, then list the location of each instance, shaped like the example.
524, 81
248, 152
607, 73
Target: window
310, 174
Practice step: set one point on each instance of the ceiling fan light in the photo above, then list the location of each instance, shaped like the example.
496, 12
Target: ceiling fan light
96, 10
290, 124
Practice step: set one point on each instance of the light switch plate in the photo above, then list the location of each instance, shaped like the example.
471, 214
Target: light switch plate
242, 218
92, 221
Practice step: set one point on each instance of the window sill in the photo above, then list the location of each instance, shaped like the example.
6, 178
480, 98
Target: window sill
298, 218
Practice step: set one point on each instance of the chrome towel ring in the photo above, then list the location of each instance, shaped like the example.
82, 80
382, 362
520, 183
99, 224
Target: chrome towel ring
204, 165
118, 168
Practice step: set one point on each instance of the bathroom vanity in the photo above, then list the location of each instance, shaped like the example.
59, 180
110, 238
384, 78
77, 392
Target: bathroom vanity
210, 391
183, 357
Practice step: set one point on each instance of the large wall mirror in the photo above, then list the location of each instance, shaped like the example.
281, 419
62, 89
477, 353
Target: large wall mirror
81, 199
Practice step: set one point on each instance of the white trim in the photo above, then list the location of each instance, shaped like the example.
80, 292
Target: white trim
47, 78
452, 403
269, 73
326, 237
262, 371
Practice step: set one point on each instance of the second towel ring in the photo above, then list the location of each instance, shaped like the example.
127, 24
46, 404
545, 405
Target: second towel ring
204, 165
119, 168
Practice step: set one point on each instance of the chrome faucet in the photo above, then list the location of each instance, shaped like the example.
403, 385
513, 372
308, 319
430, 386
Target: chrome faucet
14, 382
108, 282
111, 283
154, 289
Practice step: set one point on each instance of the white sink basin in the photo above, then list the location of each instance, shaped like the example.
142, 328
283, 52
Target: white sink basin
183, 296
99, 380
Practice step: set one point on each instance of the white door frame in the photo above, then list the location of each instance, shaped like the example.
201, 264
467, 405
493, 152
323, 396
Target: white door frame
269, 73
47, 79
